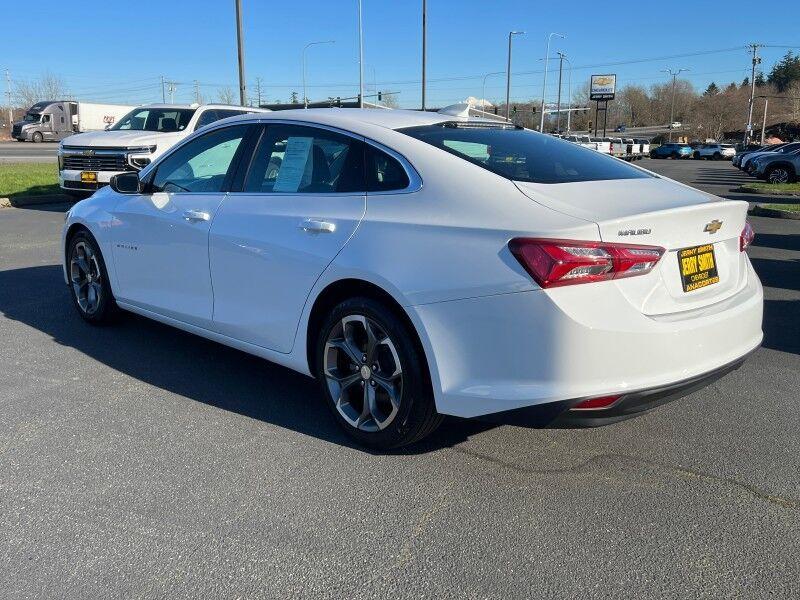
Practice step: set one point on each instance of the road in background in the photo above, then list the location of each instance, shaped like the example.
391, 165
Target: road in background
18, 152
137, 460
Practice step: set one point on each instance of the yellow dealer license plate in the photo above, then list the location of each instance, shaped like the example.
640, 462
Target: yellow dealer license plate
698, 267
89, 176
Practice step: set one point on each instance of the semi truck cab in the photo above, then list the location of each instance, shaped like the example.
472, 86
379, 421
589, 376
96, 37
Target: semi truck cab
45, 121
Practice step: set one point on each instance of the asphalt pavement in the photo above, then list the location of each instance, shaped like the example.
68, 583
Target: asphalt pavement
140, 461
28, 152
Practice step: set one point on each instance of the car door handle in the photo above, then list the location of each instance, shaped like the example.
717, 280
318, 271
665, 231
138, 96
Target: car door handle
316, 226
196, 215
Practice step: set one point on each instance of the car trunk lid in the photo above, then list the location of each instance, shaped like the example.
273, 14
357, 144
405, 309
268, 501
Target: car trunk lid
660, 212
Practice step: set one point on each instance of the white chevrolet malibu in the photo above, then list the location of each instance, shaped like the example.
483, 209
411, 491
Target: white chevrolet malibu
419, 265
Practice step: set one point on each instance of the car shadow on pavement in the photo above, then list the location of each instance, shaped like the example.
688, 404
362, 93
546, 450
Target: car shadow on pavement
188, 365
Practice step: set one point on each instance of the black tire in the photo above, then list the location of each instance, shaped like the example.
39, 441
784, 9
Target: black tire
717, 156
697, 156
780, 174
415, 416
675, 156
103, 309
37, 138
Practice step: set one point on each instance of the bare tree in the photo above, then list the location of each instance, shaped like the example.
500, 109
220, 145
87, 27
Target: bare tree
47, 87
225, 95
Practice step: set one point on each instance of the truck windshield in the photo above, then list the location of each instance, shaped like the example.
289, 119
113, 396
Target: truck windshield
523, 155
155, 119
32, 117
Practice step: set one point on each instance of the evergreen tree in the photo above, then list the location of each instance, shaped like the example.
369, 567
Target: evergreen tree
295, 98
711, 90
785, 72
745, 82
760, 81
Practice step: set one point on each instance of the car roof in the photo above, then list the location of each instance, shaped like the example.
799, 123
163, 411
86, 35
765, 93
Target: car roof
195, 106
357, 118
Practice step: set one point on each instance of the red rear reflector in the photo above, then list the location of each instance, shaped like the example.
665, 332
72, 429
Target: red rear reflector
747, 236
596, 403
554, 263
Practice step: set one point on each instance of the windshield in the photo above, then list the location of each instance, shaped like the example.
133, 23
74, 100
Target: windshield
32, 117
155, 119
523, 155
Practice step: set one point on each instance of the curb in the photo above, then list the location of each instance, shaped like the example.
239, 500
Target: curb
18, 202
762, 192
760, 211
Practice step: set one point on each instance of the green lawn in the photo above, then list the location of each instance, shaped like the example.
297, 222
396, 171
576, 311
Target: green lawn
774, 188
28, 179
791, 207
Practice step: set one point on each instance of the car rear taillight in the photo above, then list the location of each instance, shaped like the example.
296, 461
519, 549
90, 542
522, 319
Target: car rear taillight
746, 238
597, 403
553, 263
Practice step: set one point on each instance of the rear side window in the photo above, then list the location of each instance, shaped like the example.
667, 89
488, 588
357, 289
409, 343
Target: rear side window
523, 155
383, 172
293, 159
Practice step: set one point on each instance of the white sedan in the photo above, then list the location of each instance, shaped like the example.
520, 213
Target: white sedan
421, 265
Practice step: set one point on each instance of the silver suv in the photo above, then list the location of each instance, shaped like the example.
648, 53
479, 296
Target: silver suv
715, 151
778, 167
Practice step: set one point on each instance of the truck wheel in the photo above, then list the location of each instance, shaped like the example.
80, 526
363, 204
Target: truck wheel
37, 138
697, 156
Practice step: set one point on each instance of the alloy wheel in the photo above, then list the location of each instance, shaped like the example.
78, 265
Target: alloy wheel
86, 278
779, 176
363, 373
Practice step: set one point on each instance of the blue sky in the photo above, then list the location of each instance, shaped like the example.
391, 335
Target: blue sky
116, 51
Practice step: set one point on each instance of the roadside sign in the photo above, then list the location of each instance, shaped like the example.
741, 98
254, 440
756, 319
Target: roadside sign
602, 87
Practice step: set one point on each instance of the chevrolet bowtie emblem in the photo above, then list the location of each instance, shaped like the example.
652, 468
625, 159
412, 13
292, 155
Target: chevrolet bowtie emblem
713, 227
88, 152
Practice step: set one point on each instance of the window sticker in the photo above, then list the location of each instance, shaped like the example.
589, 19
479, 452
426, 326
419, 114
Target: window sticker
295, 164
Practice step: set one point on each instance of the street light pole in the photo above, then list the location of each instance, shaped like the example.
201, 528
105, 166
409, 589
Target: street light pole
544, 84
569, 94
672, 105
240, 45
508, 74
483, 93
558, 102
424, 48
764, 122
306, 47
360, 59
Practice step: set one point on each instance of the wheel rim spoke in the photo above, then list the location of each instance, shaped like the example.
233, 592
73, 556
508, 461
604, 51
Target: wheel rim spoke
85, 278
358, 351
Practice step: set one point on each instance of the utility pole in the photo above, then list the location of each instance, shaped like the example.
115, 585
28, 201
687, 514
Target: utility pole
171, 86
258, 91
672, 105
8, 93
360, 59
558, 102
240, 45
544, 83
163, 91
756, 61
197, 91
508, 74
764, 122
424, 48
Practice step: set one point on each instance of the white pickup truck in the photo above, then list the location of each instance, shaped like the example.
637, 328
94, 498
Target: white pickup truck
582, 140
88, 161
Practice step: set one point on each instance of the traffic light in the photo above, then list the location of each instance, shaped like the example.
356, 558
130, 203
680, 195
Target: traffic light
380, 96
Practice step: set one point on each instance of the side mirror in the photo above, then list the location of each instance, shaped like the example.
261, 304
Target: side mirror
126, 183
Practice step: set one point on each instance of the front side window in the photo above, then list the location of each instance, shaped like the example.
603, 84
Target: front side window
155, 119
523, 155
212, 115
293, 159
201, 165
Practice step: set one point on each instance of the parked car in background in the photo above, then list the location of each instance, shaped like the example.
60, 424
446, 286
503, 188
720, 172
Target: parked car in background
620, 128
675, 125
619, 149
53, 120
743, 151
714, 151
88, 161
582, 140
747, 161
634, 149
603, 145
671, 150
777, 167
645, 146
523, 282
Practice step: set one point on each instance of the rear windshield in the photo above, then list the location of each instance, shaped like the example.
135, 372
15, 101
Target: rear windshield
524, 155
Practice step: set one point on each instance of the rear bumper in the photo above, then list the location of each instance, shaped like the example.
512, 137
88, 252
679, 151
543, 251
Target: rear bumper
511, 351
628, 406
